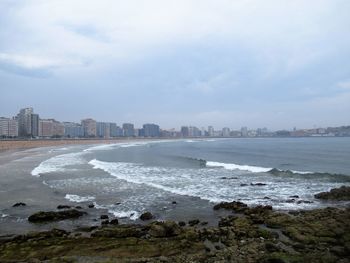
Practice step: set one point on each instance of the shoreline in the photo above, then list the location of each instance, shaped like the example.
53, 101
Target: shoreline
244, 234
18, 145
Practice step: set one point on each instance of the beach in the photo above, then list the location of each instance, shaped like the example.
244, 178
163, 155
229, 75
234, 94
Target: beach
6, 145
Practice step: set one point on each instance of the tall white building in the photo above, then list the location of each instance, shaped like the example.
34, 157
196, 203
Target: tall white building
8, 127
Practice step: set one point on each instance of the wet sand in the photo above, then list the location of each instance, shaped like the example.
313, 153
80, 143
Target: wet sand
6, 145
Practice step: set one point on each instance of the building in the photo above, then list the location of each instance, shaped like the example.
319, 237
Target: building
128, 129
151, 130
194, 131
45, 128
185, 132
103, 129
244, 131
210, 131
89, 127
226, 132
8, 127
73, 130
58, 129
28, 123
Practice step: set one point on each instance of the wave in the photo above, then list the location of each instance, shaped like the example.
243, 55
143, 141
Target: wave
181, 182
79, 199
131, 214
276, 171
232, 166
58, 163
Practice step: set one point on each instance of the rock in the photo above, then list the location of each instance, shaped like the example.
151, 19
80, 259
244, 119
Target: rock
105, 222
266, 198
257, 184
117, 203
227, 221
121, 231
182, 223
63, 207
91, 206
78, 207
193, 222
235, 206
104, 217
341, 194
304, 202
271, 247
146, 216
174, 202
42, 217
19, 204
114, 221
243, 185
164, 229
294, 196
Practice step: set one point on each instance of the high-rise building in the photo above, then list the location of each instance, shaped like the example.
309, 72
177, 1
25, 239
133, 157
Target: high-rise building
210, 131
226, 132
34, 125
58, 129
73, 130
13, 128
128, 129
89, 126
8, 127
244, 131
185, 132
103, 129
25, 122
151, 130
4, 126
45, 128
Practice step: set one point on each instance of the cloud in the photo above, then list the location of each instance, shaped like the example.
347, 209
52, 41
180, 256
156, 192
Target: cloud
344, 85
36, 66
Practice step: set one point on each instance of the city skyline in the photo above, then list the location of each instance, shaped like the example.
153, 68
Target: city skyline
28, 124
280, 64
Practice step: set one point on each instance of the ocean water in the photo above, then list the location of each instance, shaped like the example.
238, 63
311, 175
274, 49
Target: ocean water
128, 178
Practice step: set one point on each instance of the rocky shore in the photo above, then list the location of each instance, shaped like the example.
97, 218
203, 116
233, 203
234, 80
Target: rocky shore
246, 234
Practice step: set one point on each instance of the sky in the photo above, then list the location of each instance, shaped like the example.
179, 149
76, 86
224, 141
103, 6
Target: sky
274, 63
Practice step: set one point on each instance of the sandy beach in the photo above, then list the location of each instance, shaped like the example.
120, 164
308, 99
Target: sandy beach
6, 145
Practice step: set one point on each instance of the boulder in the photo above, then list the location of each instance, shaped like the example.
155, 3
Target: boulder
257, 184
146, 216
341, 194
91, 206
164, 229
43, 217
19, 204
193, 222
114, 221
104, 217
63, 207
235, 206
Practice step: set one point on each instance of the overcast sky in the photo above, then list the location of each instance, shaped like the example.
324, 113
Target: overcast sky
271, 63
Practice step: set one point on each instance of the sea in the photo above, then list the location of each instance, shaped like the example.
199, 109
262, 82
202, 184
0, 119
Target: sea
173, 179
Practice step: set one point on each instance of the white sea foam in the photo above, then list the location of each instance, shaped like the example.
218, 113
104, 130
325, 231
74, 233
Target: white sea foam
79, 199
181, 182
4, 215
58, 163
133, 215
232, 166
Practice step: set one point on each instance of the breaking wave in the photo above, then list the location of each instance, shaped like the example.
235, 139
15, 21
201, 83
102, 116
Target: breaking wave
79, 199
58, 163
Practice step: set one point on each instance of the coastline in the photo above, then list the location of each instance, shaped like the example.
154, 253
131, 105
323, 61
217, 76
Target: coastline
246, 234
8, 145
